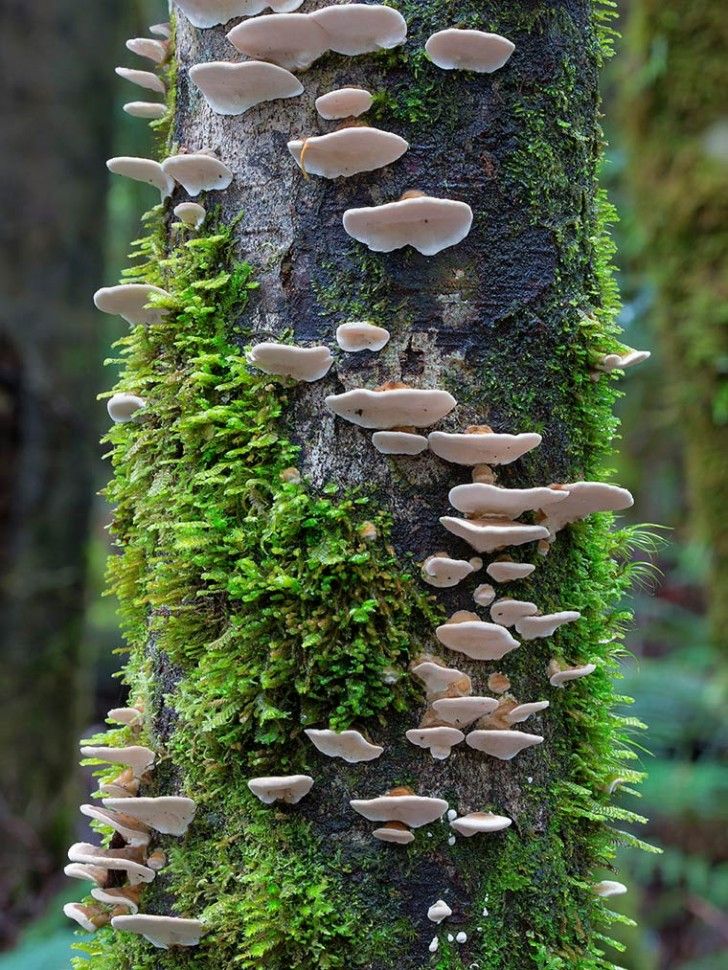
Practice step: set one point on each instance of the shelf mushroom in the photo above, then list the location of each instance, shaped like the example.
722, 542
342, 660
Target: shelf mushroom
612, 362
89, 873
211, 13
507, 612
126, 860
143, 79
477, 823
584, 499
461, 712
138, 758
350, 746
391, 407
89, 918
438, 678
479, 499
291, 40
544, 625
307, 364
608, 888
480, 445
493, 534
439, 741
504, 745
197, 172
484, 594
347, 152
162, 932
466, 633
142, 170
443, 572
161, 30
354, 28
151, 110
152, 50
395, 832
132, 831
560, 676
130, 301
129, 716
361, 335
168, 814
127, 897
191, 213
344, 103
468, 50
233, 89
426, 223
505, 571
289, 789
522, 712
412, 810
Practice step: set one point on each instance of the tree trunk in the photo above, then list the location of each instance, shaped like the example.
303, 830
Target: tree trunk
257, 606
674, 111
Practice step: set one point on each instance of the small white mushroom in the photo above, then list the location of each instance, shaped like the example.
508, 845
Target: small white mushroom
129, 716
89, 873
130, 301
360, 335
584, 499
233, 89
478, 822
344, 103
434, 945
162, 932
197, 172
161, 30
534, 627
560, 676
152, 110
168, 814
307, 364
413, 810
132, 831
443, 572
283, 788
351, 746
399, 443
507, 612
348, 151
475, 638
461, 938
89, 918
123, 860
191, 213
291, 40
612, 362
479, 499
123, 407
439, 911
522, 712
468, 50
484, 594
461, 712
607, 888
491, 535
127, 897
426, 223
437, 678
143, 79
138, 758
394, 832
142, 170
482, 447
147, 47
386, 409
507, 572
438, 740
354, 28
504, 745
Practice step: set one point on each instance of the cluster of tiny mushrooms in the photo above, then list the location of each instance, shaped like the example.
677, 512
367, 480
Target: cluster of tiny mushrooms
277, 45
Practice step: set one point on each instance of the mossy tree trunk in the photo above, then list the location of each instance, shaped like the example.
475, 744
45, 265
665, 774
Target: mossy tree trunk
674, 113
255, 607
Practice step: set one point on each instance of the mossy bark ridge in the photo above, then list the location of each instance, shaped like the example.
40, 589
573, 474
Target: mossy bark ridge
256, 606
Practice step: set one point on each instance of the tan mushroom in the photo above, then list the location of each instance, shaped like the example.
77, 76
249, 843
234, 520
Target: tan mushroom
479, 500
125, 785
142, 170
390, 408
307, 364
356, 28
132, 832
347, 152
163, 932
125, 898
480, 822
461, 712
426, 223
151, 110
560, 676
124, 860
468, 50
505, 571
443, 572
89, 873
481, 446
291, 40
394, 832
466, 633
138, 758
89, 918
344, 103
210, 13
168, 814
289, 789
233, 89
504, 745
131, 301
491, 535
544, 625
198, 172
350, 746
191, 213
142, 79
399, 443
412, 810
507, 612
438, 740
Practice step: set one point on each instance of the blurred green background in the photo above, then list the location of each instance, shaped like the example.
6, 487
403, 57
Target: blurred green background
666, 119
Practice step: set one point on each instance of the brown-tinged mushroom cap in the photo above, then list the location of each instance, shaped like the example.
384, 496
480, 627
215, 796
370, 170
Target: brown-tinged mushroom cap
504, 745
168, 814
161, 931
426, 223
437, 678
346, 152
522, 712
130, 716
115, 859
232, 89
560, 676
292, 40
130, 301
608, 887
584, 499
142, 170
361, 335
354, 28
125, 785
384, 410
461, 712
351, 746
284, 360
534, 627
476, 639
612, 362
486, 448
477, 822
281, 788
491, 535
507, 612
468, 50
443, 572
146, 109
90, 873
138, 758
439, 911
198, 172
132, 832
89, 918
479, 499
143, 79
147, 47
123, 407
126, 897
438, 740
210, 13
344, 103
394, 832
191, 213
507, 572
412, 810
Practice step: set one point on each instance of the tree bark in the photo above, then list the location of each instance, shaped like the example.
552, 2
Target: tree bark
271, 613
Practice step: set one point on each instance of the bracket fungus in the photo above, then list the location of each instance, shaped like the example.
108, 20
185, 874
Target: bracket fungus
443, 572
392, 407
426, 223
507, 612
480, 445
484, 594
132, 831
466, 633
124, 860
149, 48
344, 103
125, 785
394, 832
504, 745
126, 897
162, 932
152, 110
142, 170
612, 362
346, 152
123, 407
560, 676
89, 873
479, 499
233, 89
289, 789
522, 712
438, 740
399, 443
197, 172
357, 28
143, 79
468, 50
161, 30
461, 712
351, 746
412, 810
291, 40
544, 625
130, 301
360, 335
439, 679
192, 214
504, 571
479, 822
439, 911
584, 499
89, 918
307, 364
211, 13
168, 814
129, 716
607, 888
492, 534
139, 759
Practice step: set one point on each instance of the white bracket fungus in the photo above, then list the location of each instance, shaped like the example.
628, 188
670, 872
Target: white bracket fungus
130, 301
484, 594
162, 932
468, 50
291, 40
461, 712
125, 785
354, 28
560, 676
479, 822
507, 612
143, 79
348, 151
152, 110
289, 789
123, 860
479, 499
412, 810
123, 407
584, 499
233, 89
125, 898
360, 335
130, 716
89, 873
439, 911
351, 746
161, 30
132, 831
138, 758
522, 712
386, 409
210, 13
504, 745
426, 223
506, 572
168, 814
612, 362
544, 625
443, 572
147, 47
481, 446
438, 740
491, 535
399, 443
466, 633
89, 918
438, 679
192, 214
142, 170
607, 888
344, 103
285, 360
198, 172
394, 832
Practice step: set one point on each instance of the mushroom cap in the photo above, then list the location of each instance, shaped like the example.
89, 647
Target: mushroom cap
477, 639
608, 887
534, 627
612, 362
351, 746
391, 833
123, 407
480, 499
584, 499
300, 363
477, 822
439, 911
146, 109
354, 28
390, 409
413, 810
191, 213
198, 172
399, 443
292, 40
94, 855
491, 535
361, 335
347, 151
437, 678
210, 13
463, 711
344, 103
442, 572
152, 50
85, 916
129, 716
130, 302
502, 744
133, 832
143, 79
161, 30
423, 222
92, 873
506, 572
482, 449
484, 594
522, 712
560, 677
168, 814
281, 788
142, 170
232, 89
439, 740
116, 897
468, 50
161, 931
138, 758
507, 612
